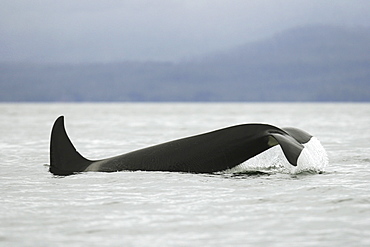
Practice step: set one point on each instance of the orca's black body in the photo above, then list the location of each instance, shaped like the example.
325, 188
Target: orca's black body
206, 153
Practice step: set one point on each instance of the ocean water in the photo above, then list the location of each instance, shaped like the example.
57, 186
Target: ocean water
328, 205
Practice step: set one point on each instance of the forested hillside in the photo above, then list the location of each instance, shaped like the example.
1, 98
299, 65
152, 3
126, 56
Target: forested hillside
316, 63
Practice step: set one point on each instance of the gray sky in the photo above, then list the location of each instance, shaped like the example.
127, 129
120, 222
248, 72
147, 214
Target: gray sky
117, 30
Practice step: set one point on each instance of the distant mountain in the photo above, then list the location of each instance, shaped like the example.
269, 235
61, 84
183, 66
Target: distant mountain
315, 63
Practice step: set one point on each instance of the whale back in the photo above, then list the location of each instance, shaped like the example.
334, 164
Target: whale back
205, 153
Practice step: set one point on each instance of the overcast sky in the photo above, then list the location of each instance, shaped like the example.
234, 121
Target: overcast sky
117, 30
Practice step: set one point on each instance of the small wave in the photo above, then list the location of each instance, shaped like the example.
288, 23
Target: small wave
312, 160
243, 175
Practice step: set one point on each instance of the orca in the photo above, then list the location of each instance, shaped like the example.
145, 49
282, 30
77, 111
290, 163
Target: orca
210, 152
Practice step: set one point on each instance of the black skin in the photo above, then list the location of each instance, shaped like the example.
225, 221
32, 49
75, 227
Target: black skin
205, 153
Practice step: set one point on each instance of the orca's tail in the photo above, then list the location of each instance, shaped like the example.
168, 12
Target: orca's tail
291, 143
64, 159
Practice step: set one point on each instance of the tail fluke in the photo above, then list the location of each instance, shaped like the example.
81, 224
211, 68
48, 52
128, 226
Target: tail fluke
291, 144
64, 159
300, 135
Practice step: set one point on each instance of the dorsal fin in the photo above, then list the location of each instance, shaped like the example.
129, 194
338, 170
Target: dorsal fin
64, 159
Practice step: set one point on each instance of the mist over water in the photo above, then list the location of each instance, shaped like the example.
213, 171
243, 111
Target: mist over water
261, 207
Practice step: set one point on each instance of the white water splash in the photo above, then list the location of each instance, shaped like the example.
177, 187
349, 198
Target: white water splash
313, 158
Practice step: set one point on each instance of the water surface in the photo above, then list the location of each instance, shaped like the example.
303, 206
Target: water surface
331, 208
